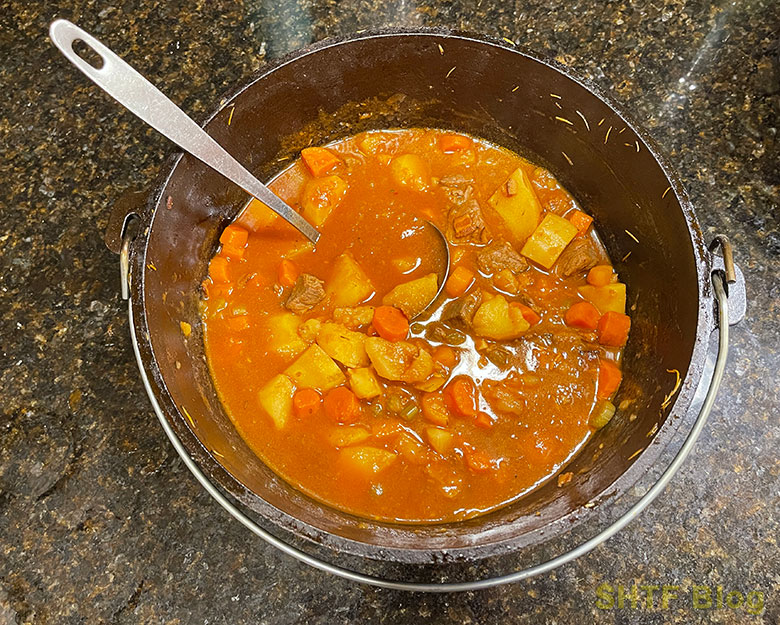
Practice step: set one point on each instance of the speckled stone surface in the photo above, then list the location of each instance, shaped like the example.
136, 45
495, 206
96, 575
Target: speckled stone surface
99, 520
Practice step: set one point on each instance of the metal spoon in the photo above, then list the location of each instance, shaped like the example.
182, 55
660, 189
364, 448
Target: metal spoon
141, 97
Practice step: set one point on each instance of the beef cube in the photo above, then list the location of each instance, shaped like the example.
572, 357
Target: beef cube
465, 224
499, 256
306, 294
579, 256
462, 310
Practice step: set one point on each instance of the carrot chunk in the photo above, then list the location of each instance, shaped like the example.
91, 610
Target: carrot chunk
390, 323
582, 315
218, 269
609, 379
453, 143
319, 160
601, 275
581, 221
460, 396
288, 273
445, 355
306, 402
434, 409
342, 405
613, 329
529, 314
234, 237
459, 282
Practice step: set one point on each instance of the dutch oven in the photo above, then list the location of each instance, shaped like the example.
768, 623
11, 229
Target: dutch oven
679, 293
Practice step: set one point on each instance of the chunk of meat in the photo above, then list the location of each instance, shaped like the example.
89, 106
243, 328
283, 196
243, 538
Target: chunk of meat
465, 224
306, 294
579, 256
499, 256
462, 309
457, 188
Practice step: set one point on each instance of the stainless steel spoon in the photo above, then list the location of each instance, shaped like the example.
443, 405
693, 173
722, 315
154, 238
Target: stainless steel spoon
141, 97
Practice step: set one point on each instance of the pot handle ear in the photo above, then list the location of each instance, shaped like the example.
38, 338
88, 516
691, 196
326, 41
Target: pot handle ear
734, 280
130, 206
720, 285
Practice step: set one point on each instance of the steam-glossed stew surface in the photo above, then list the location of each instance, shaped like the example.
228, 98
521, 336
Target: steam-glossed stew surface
343, 385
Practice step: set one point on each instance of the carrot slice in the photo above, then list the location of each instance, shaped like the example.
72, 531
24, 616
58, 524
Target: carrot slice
306, 402
460, 396
459, 282
609, 379
453, 143
390, 323
613, 329
218, 269
434, 409
319, 160
581, 221
445, 355
478, 461
342, 405
582, 315
529, 314
601, 275
288, 273
484, 421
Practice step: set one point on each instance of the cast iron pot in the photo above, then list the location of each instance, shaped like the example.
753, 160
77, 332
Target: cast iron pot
677, 295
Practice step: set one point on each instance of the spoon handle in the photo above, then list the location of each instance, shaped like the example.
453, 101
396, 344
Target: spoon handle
141, 97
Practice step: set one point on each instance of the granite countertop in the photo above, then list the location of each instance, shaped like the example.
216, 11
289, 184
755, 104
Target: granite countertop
99, 520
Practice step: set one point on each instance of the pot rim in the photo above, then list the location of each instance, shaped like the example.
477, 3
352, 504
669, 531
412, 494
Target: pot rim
644, 461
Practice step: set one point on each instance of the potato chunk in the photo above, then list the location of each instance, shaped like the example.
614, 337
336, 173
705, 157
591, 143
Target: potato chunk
344, 345
414, 296
399, 360
496, 319
440, 440
283, 334
348, 284
410, 171
367, 460
315, 369
517, 204
547, 242
276, 398
355, 317
346, 435
610, 297
320, 197
363, 383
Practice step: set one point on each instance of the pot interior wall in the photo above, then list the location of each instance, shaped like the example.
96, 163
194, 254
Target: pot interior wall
473, 87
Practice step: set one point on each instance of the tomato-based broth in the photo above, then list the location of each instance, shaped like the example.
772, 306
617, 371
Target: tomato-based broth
344, 380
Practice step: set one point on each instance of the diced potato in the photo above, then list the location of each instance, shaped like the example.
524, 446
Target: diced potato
411, 171
343, 345
354, 317
496, 319
411, 449
309, 330
548, 241
320, 197
414, 296
368, 460
440, 440
406, 264
378, 142
283, 334
256, 216
517, 204
346, 435
315, 369
399, 360
610, 297
363, 383
297, 250
276, 398
348, 284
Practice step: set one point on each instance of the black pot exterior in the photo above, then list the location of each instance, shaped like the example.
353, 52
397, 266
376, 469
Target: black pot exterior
484, 88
